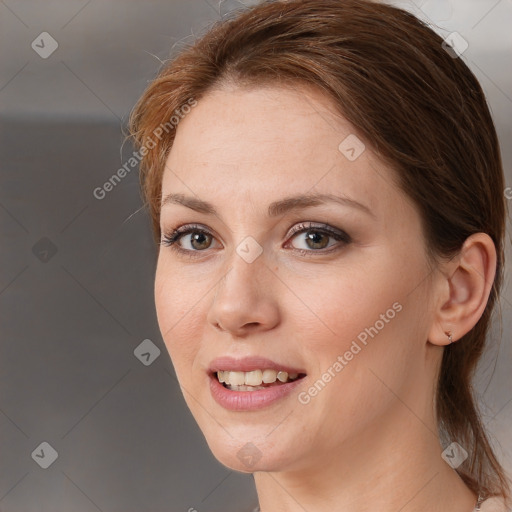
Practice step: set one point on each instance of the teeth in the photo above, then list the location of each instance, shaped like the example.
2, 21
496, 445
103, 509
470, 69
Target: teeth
282, 376
253, 380
245, 388
235, 378
269, 376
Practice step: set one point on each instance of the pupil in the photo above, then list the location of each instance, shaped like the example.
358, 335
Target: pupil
314, 236
195, 238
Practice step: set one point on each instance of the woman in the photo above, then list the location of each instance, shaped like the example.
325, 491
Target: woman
324, 179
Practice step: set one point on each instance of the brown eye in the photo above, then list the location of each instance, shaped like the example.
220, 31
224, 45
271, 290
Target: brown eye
316, 239
190, 240
200, 241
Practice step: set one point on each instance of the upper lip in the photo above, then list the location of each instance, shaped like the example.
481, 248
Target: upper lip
248, 364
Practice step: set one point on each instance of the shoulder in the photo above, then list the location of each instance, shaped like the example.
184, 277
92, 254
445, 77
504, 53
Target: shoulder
494, 504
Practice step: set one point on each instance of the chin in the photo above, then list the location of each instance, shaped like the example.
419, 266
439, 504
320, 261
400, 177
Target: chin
251, 449
248, 458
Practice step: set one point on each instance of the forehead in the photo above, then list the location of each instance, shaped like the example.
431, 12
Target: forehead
261, 144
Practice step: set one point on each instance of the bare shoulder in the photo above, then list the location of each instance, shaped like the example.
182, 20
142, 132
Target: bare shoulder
494, 504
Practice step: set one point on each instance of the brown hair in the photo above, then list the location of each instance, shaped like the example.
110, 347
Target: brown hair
421, 109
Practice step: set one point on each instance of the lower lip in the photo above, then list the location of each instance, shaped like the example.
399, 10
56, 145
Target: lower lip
249, 400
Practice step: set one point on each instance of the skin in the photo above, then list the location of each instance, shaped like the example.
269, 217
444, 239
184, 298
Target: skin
368, 440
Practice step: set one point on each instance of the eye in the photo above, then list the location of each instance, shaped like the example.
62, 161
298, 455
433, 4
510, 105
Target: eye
199, 239
316, 238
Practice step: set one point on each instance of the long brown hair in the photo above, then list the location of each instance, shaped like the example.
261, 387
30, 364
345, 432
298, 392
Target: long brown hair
421, 109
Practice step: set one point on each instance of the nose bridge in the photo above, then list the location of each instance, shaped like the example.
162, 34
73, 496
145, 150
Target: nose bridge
243, 295
245, 270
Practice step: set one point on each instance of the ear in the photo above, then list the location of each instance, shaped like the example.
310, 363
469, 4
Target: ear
463, 289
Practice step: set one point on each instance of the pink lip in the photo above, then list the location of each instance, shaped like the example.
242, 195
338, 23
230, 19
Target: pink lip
249, 400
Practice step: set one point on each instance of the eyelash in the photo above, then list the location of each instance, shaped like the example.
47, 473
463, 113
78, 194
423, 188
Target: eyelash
169, 240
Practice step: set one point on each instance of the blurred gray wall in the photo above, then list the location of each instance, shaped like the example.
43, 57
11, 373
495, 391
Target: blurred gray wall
76, 273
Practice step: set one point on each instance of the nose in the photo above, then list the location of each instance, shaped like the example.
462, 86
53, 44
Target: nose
245, 299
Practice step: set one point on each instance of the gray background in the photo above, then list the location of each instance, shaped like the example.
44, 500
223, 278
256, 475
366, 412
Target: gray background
76, 274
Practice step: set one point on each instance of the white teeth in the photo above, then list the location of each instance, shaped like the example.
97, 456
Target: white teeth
282, 376
235, 378
253, 380
269, 376
245, 388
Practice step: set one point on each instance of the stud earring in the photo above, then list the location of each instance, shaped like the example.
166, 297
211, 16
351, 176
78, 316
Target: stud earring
449, 334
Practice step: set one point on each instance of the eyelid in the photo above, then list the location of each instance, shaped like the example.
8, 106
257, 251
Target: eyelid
326, 228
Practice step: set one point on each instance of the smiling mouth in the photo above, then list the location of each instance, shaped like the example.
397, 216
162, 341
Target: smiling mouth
255, 380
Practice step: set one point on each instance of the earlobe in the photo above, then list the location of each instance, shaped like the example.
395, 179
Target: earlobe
466, 285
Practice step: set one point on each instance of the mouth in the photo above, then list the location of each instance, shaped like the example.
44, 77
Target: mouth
252, 383
255, 380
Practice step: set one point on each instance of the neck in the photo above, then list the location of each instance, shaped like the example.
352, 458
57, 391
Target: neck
393, 465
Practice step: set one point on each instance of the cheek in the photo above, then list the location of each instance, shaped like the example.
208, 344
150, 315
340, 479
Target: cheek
177, 302
342, 305
371, 318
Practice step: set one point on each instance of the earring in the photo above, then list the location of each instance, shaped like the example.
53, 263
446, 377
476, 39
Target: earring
449, 334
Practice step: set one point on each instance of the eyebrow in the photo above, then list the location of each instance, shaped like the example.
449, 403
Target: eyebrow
275, 209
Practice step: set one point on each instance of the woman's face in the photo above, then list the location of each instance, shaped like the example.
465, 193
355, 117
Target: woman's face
336, 291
